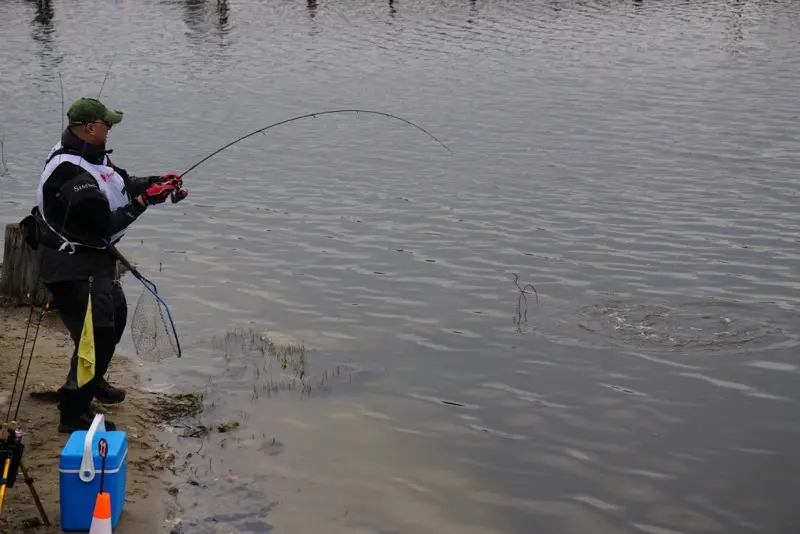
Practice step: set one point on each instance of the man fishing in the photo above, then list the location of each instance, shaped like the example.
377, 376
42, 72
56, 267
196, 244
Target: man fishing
84, 201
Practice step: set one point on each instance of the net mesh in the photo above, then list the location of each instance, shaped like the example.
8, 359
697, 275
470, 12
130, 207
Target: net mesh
153, 332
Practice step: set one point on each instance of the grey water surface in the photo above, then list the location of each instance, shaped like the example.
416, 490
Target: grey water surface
635, 162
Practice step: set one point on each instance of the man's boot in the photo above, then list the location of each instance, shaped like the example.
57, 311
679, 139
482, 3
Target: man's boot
105, 393
75, 414
84, 421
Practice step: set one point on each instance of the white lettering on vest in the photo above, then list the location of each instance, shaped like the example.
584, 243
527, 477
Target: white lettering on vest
81, 187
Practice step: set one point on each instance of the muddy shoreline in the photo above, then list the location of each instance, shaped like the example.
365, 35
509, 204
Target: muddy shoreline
151, 504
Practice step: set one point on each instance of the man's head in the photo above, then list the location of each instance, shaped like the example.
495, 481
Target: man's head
90, 120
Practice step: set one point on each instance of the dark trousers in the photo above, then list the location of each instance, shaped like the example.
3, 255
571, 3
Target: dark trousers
109, 314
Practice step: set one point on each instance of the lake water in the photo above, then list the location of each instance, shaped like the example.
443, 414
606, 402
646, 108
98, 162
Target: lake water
635, 162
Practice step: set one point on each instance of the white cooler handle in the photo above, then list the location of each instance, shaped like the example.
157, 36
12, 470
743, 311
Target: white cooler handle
87, 464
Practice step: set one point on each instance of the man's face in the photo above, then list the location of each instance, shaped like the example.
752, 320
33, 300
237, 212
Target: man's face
96, 132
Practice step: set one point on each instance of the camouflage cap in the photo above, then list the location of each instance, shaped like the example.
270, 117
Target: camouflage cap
86, 110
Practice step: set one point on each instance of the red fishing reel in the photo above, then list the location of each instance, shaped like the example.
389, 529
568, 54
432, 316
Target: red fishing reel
179, 193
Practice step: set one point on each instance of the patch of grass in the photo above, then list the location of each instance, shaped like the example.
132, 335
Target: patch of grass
201, 431
196, 431
292, 359
227, 427
172, 407
160, 459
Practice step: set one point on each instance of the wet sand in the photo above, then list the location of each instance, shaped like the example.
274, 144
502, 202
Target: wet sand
149, 501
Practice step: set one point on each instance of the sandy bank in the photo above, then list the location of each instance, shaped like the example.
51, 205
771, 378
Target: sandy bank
149, 500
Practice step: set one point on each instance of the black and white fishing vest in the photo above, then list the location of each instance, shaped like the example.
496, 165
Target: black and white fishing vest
108, 181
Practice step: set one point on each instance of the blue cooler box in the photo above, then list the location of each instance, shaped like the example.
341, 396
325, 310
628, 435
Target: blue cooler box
79, 475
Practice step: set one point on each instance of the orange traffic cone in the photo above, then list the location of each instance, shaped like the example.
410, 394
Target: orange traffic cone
101, 520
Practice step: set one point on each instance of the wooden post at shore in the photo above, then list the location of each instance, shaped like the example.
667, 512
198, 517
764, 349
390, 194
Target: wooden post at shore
20, 273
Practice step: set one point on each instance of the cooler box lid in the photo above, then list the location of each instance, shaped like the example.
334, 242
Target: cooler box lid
73, 452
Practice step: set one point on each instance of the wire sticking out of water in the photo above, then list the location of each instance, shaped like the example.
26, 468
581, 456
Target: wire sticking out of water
522, 315
3, 148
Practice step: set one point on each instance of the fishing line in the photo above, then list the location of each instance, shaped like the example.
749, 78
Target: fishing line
45, 309
106, 77
19, 366
30, 360
61, 83
62, 229
367, 111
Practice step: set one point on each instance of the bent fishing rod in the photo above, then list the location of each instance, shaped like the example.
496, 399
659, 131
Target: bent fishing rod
307, 115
